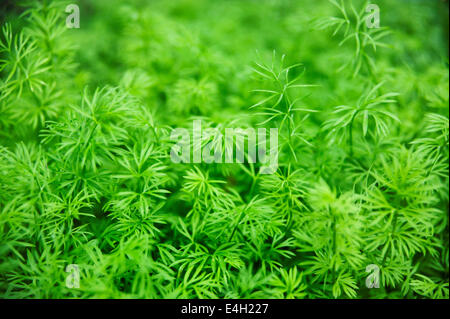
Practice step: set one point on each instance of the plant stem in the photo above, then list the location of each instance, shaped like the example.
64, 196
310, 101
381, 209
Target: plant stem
237, 223
350, 138
333, 244
394, 225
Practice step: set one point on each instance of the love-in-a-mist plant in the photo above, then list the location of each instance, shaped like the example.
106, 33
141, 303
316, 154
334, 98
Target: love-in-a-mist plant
92, 204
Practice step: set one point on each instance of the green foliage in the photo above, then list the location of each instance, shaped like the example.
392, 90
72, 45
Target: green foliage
86, 175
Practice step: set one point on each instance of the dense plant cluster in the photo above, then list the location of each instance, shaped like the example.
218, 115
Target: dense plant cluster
86, 176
